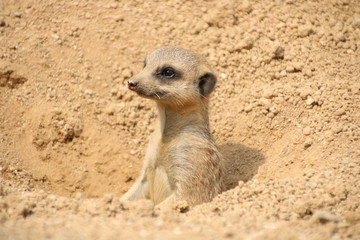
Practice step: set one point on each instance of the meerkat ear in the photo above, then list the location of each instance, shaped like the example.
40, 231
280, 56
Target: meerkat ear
206, 83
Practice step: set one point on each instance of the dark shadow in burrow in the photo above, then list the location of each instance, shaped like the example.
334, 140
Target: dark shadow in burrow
241, 163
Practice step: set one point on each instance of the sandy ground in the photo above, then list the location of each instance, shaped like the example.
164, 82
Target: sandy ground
285, 114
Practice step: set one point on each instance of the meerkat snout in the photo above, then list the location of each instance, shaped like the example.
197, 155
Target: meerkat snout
174, 76
132, 85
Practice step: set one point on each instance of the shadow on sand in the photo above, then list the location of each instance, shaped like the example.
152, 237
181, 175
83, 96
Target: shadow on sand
241, 163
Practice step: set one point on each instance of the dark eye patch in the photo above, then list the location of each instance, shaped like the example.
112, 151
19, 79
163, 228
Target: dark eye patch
167, 73
144, 63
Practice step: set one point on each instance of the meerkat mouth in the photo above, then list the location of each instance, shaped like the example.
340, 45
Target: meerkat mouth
153, 95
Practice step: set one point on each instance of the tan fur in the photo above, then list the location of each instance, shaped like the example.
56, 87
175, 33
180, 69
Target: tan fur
182, 161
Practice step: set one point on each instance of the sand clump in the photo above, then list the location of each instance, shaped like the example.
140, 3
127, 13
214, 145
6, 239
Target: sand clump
285, 115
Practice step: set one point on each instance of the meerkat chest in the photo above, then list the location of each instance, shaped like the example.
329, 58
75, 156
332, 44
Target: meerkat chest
164, 152
153, 149
175, 150
158, 170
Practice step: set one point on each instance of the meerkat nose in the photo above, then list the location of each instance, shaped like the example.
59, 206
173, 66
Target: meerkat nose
132, 84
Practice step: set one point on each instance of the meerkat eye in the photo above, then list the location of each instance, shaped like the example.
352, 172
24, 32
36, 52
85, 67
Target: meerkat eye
168, 72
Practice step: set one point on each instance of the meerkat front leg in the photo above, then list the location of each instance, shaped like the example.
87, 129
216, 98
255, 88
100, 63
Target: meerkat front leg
142, 186
168, 202
139, 190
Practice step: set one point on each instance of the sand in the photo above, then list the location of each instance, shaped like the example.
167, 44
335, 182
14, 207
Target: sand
285, 114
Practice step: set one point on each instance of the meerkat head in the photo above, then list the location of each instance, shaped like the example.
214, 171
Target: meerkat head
174, 76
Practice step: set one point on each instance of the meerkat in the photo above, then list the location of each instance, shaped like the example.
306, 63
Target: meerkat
182, 161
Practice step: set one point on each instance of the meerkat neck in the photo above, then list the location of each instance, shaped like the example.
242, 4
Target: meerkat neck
161, 118
176, 120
